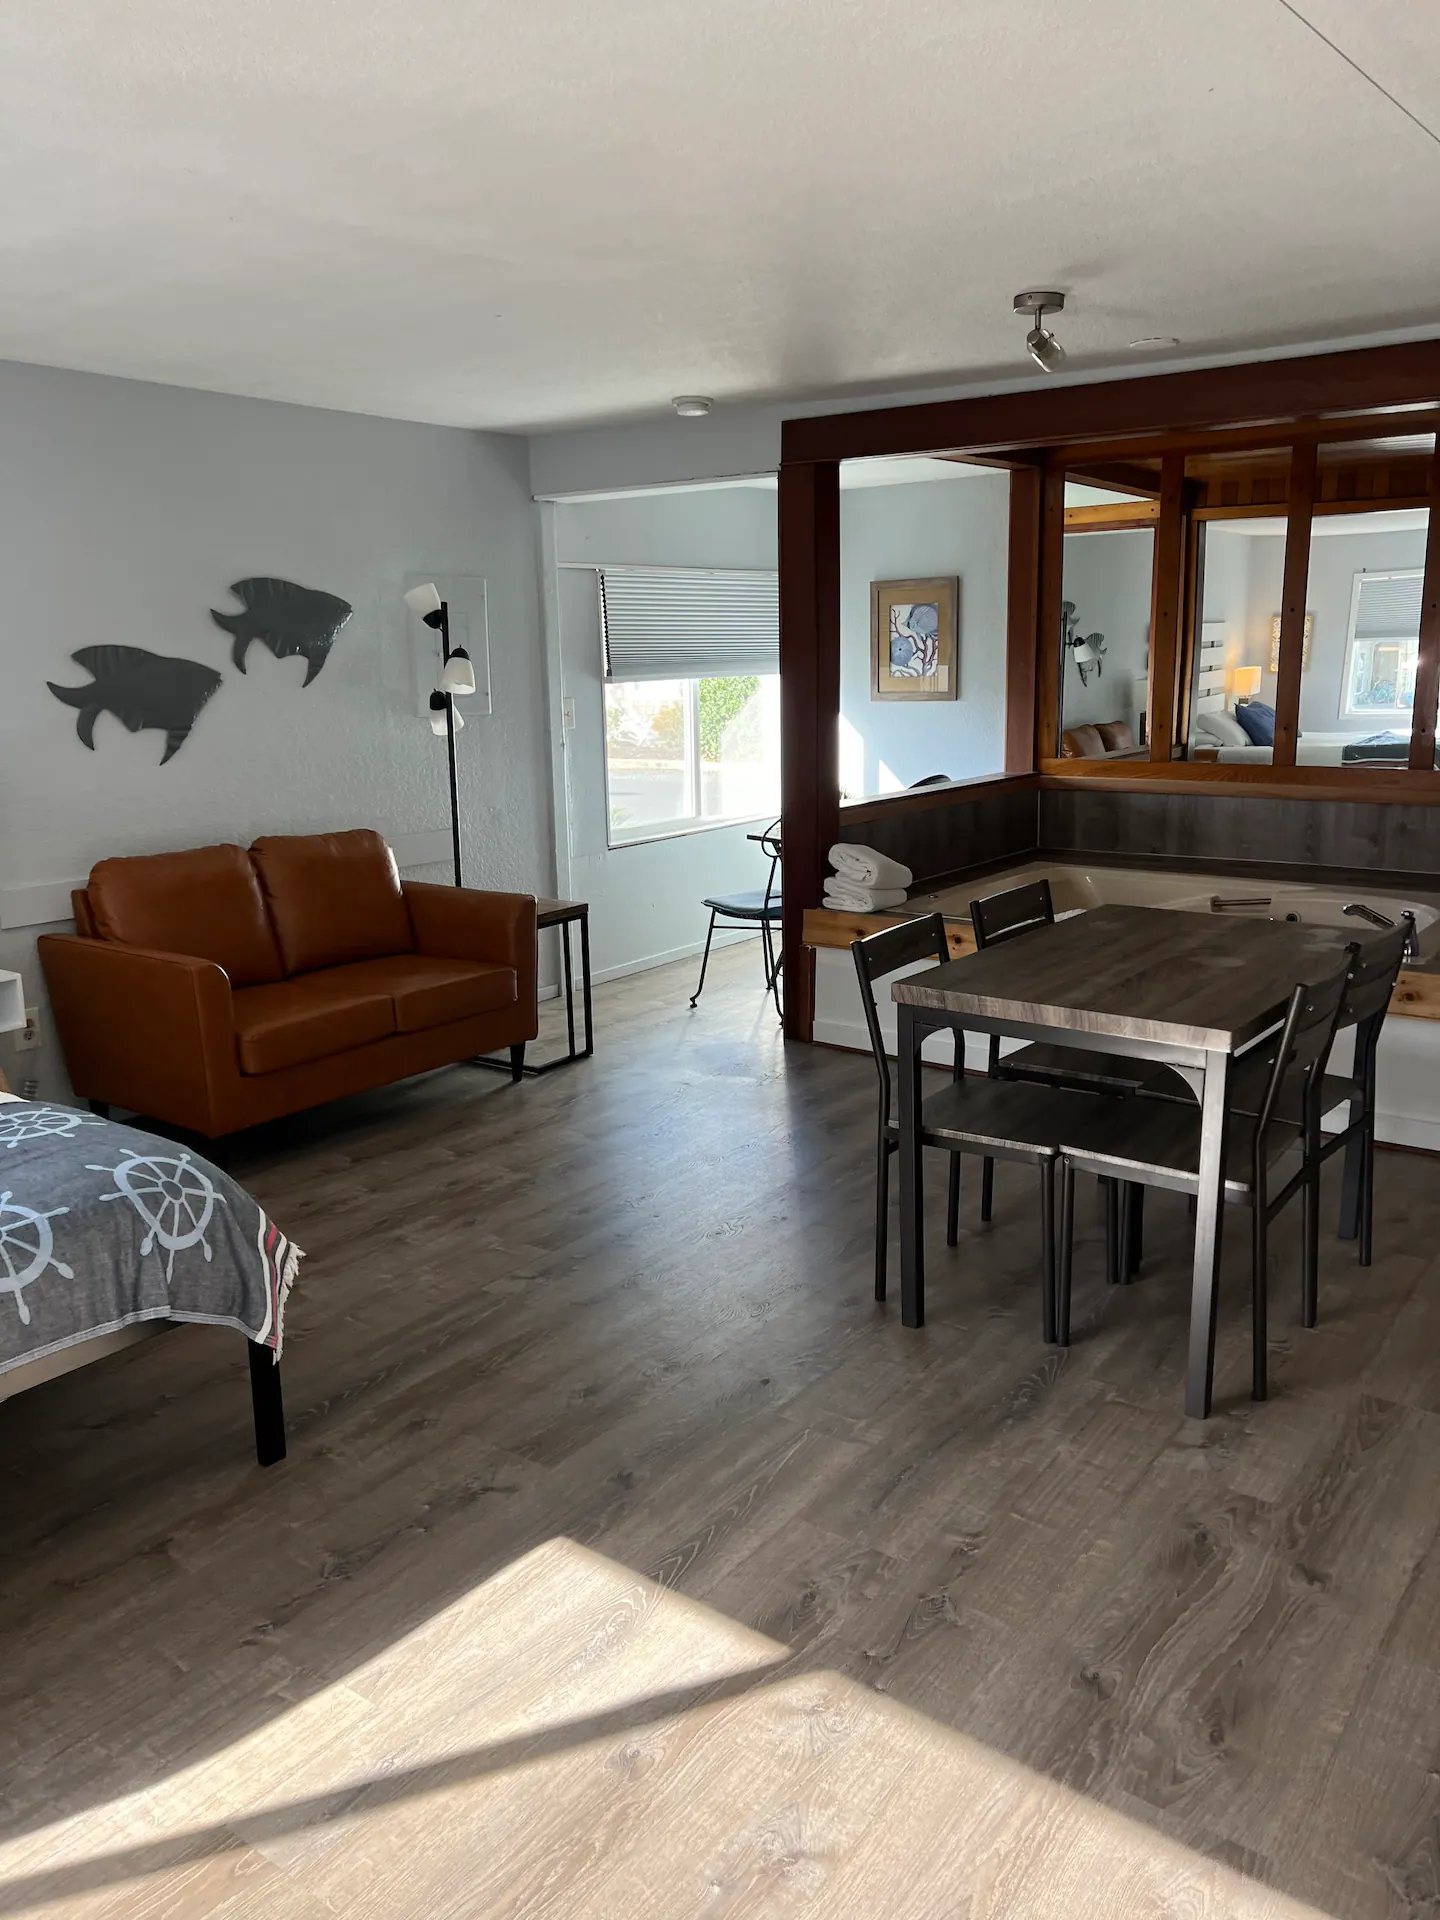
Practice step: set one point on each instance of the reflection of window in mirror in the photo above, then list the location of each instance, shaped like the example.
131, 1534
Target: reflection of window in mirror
924, 555
1105, 624
1367, 563
1240, 521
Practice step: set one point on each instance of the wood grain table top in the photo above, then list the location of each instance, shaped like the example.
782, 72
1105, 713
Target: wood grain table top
1147, 974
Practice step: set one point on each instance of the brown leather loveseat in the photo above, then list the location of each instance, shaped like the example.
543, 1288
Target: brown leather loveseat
217, 988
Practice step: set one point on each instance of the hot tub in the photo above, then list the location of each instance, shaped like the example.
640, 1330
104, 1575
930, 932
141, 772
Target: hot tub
1408, 1112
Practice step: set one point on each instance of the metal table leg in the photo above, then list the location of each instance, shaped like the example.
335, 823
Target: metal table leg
573, 1053
907, 1114
1209, 1215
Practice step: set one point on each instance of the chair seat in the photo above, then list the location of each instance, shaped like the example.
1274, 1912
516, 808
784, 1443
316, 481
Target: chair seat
1094, 1072
1158, 1144
1340, 1090
746, 906
1005, 1119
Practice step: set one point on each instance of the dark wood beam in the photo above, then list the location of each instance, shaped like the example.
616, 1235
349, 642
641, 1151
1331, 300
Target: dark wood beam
1022, 618
1268, 391
1427, 671
1167, 586
1049, 667
1119, 476
809, 527
1292, 604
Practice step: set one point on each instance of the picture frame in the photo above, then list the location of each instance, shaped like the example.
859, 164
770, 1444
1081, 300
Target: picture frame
1305, 645
915, 639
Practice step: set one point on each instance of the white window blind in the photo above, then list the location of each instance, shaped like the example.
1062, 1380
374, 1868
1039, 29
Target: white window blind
1387, 606
683, 623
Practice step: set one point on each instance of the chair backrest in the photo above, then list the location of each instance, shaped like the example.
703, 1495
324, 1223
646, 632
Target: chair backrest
770, 841
931, 780
1372, 978
1311, 1020
1000, 916
885, 953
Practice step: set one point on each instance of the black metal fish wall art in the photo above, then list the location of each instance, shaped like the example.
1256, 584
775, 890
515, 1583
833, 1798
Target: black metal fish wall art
285, 618
142, 690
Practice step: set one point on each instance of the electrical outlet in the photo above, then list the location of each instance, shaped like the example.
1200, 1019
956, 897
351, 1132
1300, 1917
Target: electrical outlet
567, 715
28, 1038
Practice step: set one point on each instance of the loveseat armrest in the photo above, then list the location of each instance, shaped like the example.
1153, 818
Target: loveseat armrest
463, 923
142, 1029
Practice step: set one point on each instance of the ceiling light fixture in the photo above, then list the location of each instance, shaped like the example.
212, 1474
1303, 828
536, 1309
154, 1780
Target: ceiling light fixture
1041, 345
692, 406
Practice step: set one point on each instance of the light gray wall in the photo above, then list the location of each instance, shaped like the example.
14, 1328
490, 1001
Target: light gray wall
915, 531
1108, 576
128, 511
645, 899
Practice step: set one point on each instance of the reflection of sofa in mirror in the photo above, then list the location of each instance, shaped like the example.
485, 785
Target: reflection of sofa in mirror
1100, 740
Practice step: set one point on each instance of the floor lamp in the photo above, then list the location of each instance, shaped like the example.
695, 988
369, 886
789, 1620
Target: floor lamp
457, 676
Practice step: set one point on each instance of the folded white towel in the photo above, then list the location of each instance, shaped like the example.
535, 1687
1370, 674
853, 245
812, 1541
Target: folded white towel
845, 898
864, 867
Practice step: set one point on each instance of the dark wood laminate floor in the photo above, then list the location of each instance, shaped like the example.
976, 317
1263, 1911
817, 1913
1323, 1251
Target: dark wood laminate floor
630, 1305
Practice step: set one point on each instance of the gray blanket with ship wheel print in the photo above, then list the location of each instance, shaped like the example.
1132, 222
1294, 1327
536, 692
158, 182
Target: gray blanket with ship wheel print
102, 1226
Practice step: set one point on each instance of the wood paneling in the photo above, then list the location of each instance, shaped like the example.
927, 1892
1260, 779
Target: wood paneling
1188, 776
1143, 513
961, 828
1427, 673
1167, 584
1346, 837
1261, 390
1022, 612
1292, 605
809, 526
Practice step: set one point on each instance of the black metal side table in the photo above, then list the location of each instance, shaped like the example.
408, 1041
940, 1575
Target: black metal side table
563, 914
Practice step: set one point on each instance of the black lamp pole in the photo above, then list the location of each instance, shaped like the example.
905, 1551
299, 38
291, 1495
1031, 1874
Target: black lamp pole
440, 619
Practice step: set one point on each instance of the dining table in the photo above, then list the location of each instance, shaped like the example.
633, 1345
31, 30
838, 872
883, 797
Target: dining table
1185, 989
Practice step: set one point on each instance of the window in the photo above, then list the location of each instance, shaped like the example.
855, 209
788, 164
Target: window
692, 698
1384, 643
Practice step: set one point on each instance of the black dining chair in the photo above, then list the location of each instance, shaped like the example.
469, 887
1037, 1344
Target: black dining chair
1367, 999
761, 908
998, 1119
1157, 1144
1007, 916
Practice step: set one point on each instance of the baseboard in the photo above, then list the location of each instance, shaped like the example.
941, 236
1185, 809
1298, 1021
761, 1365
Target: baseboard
675, 953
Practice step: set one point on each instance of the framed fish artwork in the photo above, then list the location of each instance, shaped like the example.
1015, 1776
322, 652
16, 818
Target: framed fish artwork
287, 619
914, 639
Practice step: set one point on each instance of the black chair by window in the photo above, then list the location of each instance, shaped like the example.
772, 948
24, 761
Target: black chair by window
1367, 998
1006, 916
1157, 1144
998, 1119
761, 908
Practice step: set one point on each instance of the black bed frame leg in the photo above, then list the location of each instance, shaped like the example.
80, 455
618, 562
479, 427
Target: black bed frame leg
269, 1405
100, 1109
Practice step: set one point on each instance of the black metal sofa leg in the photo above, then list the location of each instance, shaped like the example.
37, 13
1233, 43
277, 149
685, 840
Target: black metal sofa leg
517, 1061
268, 1404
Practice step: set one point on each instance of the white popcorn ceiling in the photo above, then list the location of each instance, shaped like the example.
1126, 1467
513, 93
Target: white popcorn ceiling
487, 213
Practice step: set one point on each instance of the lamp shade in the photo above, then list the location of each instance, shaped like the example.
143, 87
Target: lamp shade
1245, 682
424, 599
1084, 654
459, 673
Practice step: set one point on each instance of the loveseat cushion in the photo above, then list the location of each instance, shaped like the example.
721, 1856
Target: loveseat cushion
333, 898
294, 1021
430, 992
205, 902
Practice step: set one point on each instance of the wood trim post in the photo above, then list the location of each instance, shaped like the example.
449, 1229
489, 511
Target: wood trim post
1167, 587
1427, 671
809, 528
1022, 613
1046, 639
1303, 458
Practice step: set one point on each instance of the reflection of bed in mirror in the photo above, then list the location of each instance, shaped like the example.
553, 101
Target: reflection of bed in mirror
1390, 748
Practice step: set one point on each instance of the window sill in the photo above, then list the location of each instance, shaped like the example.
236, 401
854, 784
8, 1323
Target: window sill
683, 829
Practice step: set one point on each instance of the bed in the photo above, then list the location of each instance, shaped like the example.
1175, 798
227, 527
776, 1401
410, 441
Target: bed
108, 1234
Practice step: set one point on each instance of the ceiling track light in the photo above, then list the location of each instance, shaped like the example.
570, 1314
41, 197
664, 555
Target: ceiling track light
1041, 345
